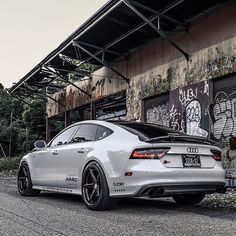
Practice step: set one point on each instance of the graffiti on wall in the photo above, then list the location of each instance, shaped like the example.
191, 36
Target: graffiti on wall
189, 109
183, 109
223, 128
174, 121
223, 116
193, 119
158, 114
156, 110
114, 115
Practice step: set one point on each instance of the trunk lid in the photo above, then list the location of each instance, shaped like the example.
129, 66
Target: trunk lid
186, 152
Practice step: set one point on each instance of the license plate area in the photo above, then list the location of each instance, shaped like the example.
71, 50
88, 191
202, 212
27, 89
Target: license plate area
190, 160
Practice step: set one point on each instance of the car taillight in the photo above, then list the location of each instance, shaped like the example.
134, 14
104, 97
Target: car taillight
216, 154
152, 153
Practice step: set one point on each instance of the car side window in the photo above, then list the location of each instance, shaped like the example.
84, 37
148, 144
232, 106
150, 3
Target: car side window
85, 133
103, 132
64, 137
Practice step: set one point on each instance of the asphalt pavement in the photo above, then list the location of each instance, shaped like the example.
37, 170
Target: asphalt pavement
62, 214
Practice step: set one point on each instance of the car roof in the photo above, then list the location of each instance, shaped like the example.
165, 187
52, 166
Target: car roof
119, 123
139, 123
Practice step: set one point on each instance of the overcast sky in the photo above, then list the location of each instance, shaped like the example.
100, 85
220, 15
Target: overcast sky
31, 29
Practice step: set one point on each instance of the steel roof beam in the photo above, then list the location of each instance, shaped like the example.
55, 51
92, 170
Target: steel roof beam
49, 97
100, 61
44, 84
43, 96
136, 28
159, 31
102, 49
80, 72
86, 29
60, 77
158, 13
23, 101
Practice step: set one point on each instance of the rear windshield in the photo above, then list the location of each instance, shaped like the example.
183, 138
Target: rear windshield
147, 131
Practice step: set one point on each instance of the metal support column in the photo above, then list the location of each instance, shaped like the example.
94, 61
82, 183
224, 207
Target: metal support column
67, 118
92, 111
48, 129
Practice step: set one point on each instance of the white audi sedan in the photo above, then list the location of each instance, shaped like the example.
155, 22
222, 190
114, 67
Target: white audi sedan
104, 161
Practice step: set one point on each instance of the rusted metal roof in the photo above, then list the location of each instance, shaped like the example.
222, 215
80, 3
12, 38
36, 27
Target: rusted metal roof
110, 35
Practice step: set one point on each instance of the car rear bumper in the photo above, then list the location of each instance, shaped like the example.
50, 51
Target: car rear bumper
159, 190
167, 181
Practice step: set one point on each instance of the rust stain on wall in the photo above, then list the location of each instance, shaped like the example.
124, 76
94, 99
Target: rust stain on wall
103, 83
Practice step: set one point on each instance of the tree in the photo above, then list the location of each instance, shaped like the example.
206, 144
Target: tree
35, 120
20, 124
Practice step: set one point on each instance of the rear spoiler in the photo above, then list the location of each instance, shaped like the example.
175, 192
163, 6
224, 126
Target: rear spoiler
171, 137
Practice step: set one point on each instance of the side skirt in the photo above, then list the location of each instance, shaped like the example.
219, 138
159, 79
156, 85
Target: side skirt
57, 189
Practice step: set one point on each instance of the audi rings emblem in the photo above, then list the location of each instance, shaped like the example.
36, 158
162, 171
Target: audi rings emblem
192, 150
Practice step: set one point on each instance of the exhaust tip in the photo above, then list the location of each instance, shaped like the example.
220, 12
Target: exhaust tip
155, 192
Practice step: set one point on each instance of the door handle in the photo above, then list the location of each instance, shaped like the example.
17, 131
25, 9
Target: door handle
80, 151
54, 152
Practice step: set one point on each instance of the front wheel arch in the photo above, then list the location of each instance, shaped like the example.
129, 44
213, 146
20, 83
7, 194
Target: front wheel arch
24, 182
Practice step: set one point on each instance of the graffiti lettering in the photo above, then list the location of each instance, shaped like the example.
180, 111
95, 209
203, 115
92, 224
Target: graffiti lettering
223, 115
187, 96
158, 115
174, 121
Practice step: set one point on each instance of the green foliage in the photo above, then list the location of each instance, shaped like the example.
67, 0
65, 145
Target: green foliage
7, 104
7, 164
20, 123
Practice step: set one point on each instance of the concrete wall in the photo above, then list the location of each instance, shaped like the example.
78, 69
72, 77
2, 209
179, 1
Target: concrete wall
158, 68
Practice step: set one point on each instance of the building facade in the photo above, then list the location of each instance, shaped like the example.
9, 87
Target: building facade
195, 96
169, 62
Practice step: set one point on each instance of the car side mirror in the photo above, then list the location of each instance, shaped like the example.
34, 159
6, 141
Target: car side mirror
40, 144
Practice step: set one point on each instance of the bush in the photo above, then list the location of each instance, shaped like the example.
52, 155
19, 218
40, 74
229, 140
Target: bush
7, 164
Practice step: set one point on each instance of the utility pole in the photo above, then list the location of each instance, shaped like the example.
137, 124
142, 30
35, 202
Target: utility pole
3, 151
9, 154
26, 138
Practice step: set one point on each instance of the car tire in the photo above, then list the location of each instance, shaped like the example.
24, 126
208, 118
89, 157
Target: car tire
95, 191
188, 199
24, 182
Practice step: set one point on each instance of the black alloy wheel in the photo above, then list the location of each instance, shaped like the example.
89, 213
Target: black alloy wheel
95, 192
24, 182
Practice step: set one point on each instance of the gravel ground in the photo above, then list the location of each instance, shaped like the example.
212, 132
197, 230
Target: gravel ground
227, 200
62, 214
